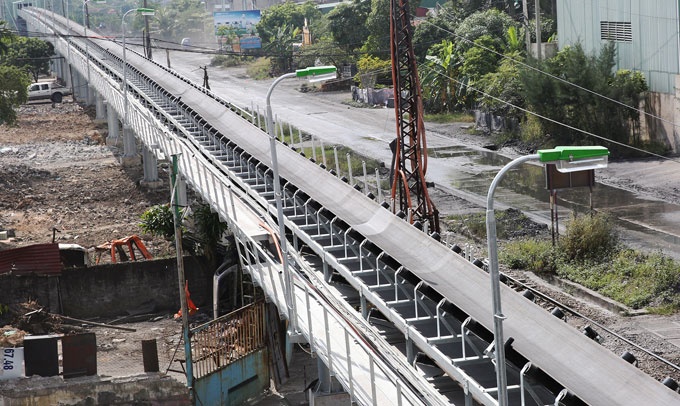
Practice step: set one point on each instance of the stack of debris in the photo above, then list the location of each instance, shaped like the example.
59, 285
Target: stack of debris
30, 318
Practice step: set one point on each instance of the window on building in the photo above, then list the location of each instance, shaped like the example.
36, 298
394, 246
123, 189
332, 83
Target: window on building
617, 31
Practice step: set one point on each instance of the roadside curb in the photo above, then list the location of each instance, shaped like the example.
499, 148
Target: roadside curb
581, 292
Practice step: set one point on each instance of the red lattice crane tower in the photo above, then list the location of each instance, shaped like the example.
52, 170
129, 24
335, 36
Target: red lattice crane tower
409, 163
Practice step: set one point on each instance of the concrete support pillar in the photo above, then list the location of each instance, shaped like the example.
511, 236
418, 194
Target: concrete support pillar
66, 72
54, 66
76, 84
182, 200
150, 164
91, 95
114, 126
130, 157
329, 391
100, 111
84, 90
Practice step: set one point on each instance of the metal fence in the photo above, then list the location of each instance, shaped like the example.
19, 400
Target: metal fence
220, 342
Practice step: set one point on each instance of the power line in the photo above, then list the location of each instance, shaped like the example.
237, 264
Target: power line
553, 120
555, 77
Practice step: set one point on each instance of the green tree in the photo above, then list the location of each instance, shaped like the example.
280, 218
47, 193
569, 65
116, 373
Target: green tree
14, 81
167, 19
209, 230
439, 79
583, 109
505, 85
478, 60
347, 24
159, 221
371, 69
324, 51
378, 24
439, 25
492, 23
280, 47
30, 54
284, 15
6, 37
13, 92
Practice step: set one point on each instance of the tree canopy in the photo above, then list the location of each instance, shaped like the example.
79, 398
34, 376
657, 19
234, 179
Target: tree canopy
30, 54
586, 110
347, 24
14, 81
286, 14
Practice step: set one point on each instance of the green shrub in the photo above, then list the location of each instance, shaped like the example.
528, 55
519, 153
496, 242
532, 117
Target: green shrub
635, 279
260, 69
226, 61
218, 60
159, 221
530, 254
589, 238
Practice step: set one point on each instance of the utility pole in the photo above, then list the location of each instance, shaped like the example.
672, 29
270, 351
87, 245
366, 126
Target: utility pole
174, 204
527, 33
147, 37
538, 29
205, 76
86, 16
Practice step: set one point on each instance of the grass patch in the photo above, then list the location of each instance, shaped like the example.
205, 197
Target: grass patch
457, 117
591, 255
226, 61
531, 254
259, 69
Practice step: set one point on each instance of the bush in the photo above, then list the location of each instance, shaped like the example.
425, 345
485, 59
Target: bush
589, 237
226, 61
630, 277
533, 255
260, 69
159, 221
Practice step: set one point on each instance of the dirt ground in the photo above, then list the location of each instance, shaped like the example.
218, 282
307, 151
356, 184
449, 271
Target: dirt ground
56, 172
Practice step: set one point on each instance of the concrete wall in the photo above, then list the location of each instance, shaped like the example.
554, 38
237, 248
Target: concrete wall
111, 290
147, 389
667, 107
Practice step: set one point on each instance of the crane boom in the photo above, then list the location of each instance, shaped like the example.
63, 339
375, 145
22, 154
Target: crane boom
409, 163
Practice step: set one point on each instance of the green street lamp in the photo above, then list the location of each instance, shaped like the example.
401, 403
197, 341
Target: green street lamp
566, 159
140, 11
311, 74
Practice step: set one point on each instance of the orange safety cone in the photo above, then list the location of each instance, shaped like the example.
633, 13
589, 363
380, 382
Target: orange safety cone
190, 303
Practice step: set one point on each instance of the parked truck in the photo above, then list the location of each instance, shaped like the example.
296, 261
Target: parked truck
47, 90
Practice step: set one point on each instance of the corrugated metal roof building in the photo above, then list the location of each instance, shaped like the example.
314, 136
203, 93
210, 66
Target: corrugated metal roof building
41, 259
645, 33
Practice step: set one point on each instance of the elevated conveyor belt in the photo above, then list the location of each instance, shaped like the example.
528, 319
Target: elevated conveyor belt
429, 302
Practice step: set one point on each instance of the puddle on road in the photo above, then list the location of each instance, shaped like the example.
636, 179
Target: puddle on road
645, 223
450, 152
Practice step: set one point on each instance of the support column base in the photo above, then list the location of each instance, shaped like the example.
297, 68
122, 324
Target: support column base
127, 161
112, 141
328, 399
151, 184
296, 337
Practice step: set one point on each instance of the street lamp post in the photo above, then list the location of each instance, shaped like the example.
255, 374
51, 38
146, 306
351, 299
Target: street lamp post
144, 12
567, 159
312, 74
